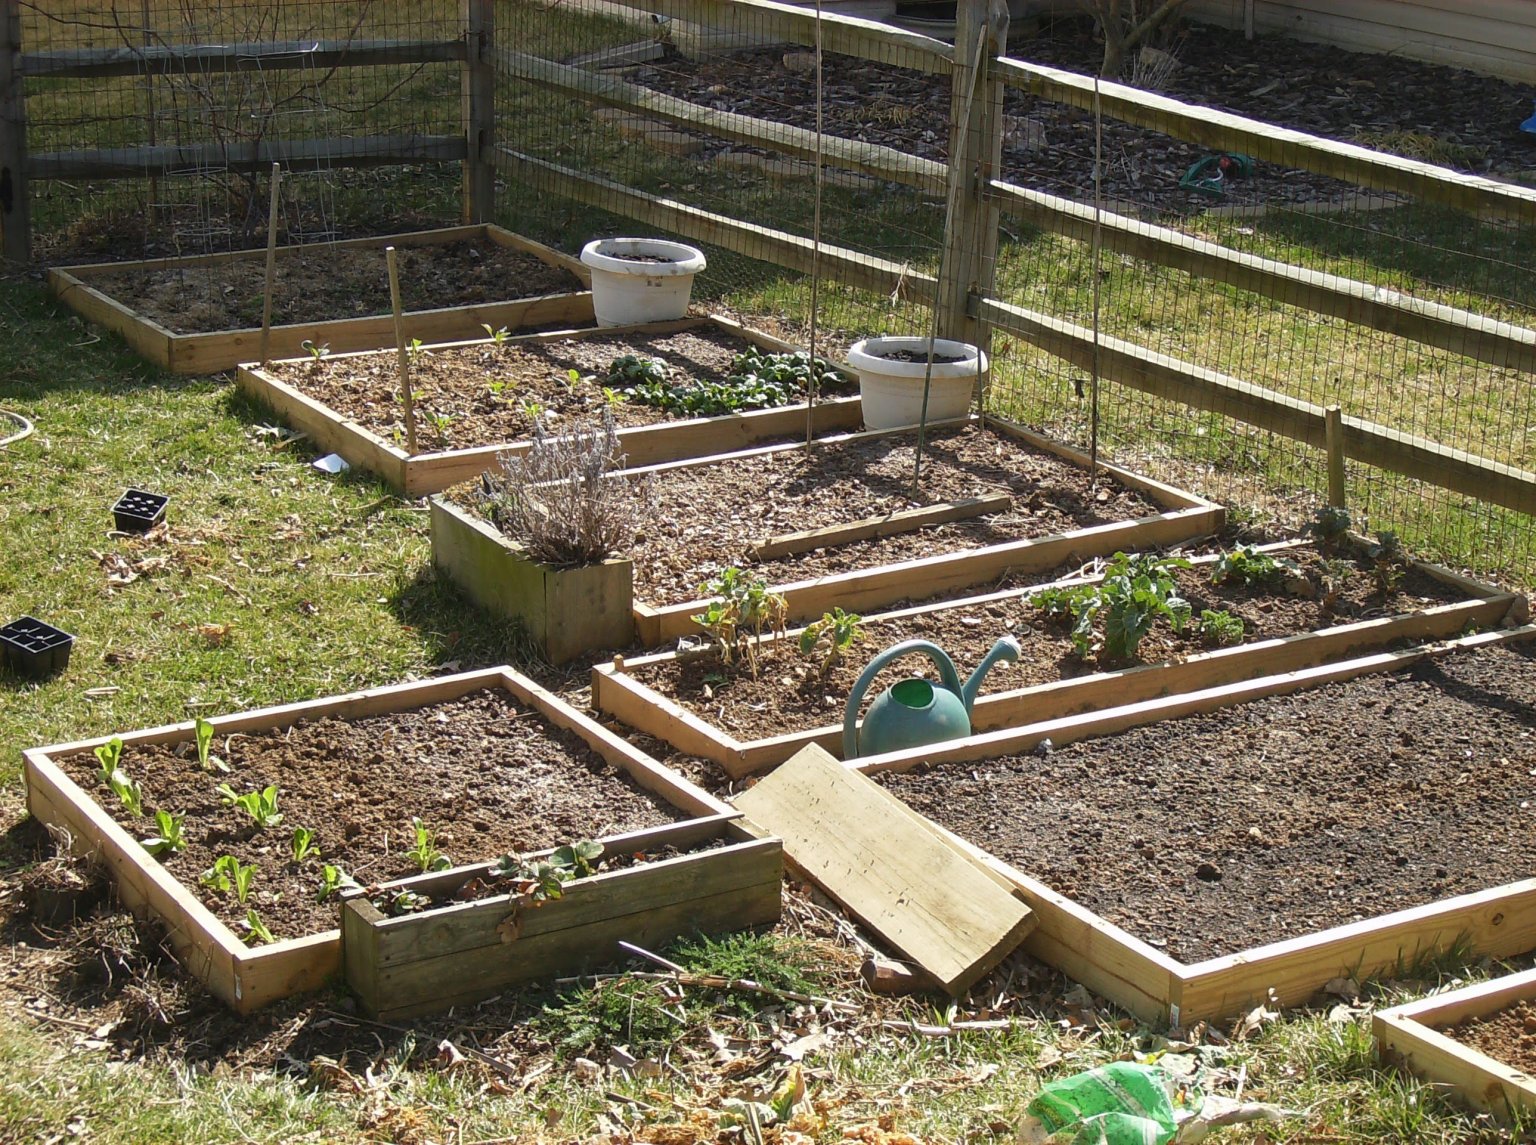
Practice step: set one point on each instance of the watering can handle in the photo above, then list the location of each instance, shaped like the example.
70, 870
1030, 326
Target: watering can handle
940, 660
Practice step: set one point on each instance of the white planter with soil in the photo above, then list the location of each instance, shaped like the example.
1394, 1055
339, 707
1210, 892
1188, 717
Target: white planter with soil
891, 372
640, 280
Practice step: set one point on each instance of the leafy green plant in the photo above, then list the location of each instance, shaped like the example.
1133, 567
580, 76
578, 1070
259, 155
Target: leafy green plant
1219, 627
108, 756
334, 880
317, 351
501, 386
205, 757
259, 805
1251, 566
414, 350
302, 844
129, 791
613, 397
1329, 525
255, 929
168, 837
579, 858
742, 607
541, 880
757, 380
633, 370
230, 874
425, 853
438, 421
404, 902
839, 631
498, 336
1387, 562
1135, 591
532, 410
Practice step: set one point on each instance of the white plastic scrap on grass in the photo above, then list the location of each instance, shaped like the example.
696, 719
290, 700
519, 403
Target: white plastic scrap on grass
331, 463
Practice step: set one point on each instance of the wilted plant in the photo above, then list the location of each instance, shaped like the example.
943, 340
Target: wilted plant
1387, 561
742, 607
564, 500
837, 630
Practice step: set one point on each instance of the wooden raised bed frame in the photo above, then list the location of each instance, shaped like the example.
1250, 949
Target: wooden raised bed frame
1409, 1035
432, 472
1498, 922
211, 352
425, 962
617, 693
246, 978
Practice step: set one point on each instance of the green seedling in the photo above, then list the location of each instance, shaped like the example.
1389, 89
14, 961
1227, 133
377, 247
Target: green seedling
414, 350
543, 880
497, 336
425, 853
1220, 627
839, 631
316, 350
1250, 566
168, 837
757, 380
578, 858
438, 421
633, 370
255, 929
259, 805
1329, 525
407, 901
229, 874
334, 880
108, 756
129, 791
613, 397
302, 845
531, 409
205, 758
501, 386
1134, 592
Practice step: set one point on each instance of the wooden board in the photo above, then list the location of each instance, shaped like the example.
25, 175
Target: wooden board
434, 472
886, 525
1410, 1036
211, 352
1500, 921
616, 692
247, 978
458, 952
895, 875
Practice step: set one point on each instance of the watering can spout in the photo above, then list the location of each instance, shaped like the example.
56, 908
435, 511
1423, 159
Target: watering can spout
1005, 649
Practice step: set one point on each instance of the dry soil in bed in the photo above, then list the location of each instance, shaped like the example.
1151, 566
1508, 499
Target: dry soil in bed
458, 408
789, 692
322, 283
1277, 818
1508, 1036
486, 773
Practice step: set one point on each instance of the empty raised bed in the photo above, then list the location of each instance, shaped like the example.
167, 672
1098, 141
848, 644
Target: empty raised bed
1295, 605
837, 524
1342, 820
475, 765
202, 313
478, 400
1476, 1041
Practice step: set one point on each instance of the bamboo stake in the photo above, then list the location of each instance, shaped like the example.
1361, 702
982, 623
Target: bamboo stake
266, 301
404, 354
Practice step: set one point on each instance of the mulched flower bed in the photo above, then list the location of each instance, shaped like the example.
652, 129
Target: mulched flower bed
1276, 818
490, 392
485, 773
789, 693
325, 283
1508, 1036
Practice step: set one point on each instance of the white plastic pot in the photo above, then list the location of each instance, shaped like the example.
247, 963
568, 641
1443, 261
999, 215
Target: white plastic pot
627, 288
892, 391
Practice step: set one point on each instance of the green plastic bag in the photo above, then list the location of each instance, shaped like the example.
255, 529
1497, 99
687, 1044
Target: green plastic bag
1121, 1103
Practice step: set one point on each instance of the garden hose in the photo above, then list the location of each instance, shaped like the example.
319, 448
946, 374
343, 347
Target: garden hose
25, 431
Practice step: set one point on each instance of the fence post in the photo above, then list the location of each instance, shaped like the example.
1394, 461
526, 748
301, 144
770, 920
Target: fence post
975, 154
479, 110
1333, 437
15, 196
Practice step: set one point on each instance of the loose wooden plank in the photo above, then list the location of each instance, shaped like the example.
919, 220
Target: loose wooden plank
886, 525
898, 878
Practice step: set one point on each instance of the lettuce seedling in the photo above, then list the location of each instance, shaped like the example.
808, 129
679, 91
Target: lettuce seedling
259, 805
303, 844
168, 837
128, 791
425, 853
334, 880
255, 928
109, 755
229, 874
497, 336
205, 757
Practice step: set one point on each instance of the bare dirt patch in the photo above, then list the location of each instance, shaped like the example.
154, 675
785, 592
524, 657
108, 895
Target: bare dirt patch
1212, 834
1508, 1036
485, 773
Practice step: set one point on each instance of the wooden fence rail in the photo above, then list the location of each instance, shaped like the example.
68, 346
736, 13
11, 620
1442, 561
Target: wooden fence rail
208, 59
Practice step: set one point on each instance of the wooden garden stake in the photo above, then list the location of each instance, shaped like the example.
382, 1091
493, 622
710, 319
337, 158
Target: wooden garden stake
266, 301
403, 351
1333, 430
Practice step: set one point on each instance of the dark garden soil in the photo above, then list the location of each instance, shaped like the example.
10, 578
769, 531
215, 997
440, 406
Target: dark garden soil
326, 283
486, 774
789, 693
1423, 111
1508, 1036
1277, 818
708, 517
458, 408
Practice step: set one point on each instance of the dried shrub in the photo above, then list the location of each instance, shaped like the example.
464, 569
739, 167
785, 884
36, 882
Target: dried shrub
564, 500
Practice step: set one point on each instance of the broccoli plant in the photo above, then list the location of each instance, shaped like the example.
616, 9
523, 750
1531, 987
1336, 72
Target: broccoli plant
837, 631
1329, 525
1220, 627
1134, 592
1387, 562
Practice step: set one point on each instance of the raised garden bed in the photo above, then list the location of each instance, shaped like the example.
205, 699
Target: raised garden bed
1194, 867
478, 400
1477, 1041
479, 934
488, 761
747, 722
202, 314
837, 525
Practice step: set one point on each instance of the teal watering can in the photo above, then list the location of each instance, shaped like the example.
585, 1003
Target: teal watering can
913, 712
